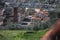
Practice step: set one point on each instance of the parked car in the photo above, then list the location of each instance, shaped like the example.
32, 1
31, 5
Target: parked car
27, 23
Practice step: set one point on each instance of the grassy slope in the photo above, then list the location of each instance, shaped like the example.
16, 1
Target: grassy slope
20, 35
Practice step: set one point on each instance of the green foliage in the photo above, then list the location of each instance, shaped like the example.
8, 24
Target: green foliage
21, 35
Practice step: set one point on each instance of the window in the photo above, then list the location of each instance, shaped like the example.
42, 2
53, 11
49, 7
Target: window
26, 20
24, 23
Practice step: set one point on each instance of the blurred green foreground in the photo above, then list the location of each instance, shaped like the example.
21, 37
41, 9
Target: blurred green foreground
21, 35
